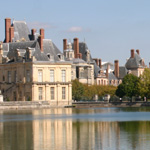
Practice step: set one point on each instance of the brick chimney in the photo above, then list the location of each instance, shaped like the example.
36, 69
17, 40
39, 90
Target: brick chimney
64, 44
41, 37
97, 61
33, 33
116, 68
7, 26
100, 63
11, 34
76, 46
132, 53
107, 71
138, 51
42, 33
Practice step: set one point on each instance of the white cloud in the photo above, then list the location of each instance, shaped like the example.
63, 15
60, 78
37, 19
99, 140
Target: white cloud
39, 25
75, 29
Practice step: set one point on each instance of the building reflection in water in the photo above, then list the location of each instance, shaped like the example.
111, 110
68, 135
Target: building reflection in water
52, 133
51, 129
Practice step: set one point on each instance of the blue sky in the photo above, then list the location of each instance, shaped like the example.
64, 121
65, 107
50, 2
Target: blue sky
111, 28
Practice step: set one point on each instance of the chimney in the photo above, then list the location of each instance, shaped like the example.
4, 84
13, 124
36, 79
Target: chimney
64, 44
7, 26
100, 63
40, 39
132, 53
76, 46
33, 33
42, 33
97, 61
107, 70
11, 34
138, 51
116, 68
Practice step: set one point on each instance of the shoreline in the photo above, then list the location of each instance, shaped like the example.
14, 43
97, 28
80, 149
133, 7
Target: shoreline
24, 105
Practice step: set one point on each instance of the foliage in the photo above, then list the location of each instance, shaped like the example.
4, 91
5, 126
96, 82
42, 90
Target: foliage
128, 87
114, 99
144, 83
77, 90
85, 92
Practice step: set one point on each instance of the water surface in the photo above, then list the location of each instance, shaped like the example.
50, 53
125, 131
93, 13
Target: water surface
75, 129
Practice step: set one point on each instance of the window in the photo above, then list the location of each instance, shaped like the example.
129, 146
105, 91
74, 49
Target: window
52, 93
40, 76
28, 75
15, 76
40, 93
63, 93
9, 77
51, 75
63, 75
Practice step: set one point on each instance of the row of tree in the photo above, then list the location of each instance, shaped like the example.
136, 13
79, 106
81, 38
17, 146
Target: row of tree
135, 86
84, 92
131, 86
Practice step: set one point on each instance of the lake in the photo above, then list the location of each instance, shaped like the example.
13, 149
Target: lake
75, 129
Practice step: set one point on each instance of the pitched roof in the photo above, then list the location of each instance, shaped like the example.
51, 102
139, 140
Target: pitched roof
122, 72
134, 63
21, 31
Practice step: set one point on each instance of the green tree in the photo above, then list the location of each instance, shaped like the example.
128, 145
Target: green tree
144, 83
128, 87
77, 90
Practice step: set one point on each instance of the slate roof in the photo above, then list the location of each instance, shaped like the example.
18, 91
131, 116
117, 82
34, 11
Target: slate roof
111, 76
122, 72
21, 31
134, 63
50, 48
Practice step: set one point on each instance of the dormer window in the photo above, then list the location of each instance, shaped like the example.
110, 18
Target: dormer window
60, 56
49, 56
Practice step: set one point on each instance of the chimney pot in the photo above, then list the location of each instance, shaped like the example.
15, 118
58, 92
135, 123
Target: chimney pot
117, 68
40, 39
132, 53
42, 33
100, 63
11, 34
76, 47
7, 26
138, 51
64, 44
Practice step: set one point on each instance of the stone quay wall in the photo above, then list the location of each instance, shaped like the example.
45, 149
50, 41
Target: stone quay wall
111, 104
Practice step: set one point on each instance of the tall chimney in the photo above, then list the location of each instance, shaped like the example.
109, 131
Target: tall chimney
7, 26
138, 51
40, 39
11, 34
42, 33
107, 70
132, 53
76, 46
33, 33
100, 63
64, 44
97, 61
116, 68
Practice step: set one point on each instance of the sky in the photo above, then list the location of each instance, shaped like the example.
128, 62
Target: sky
110, 28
